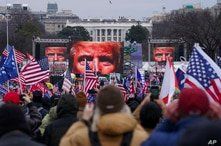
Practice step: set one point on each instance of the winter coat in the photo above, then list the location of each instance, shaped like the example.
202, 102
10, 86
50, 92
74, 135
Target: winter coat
17, 138
168, 133
41, 109
48, 119
33, 117
111, 128
66, 115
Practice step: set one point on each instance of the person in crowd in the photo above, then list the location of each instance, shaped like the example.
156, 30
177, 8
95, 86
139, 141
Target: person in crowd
52, 114
14, 129
38, 102
92, 96
149, 112
82, 100
103, 57
33, 117
150, 115
190, 109
206, 133
112, 123
67, 109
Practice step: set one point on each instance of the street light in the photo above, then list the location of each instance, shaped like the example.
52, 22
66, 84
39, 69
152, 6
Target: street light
6, 16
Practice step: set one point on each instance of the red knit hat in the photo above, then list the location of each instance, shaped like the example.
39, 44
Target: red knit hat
193, 101
12, 97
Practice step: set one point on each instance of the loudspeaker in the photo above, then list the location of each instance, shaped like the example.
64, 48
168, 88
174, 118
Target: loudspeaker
37, 51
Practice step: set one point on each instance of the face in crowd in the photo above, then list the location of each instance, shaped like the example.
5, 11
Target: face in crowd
103, 57
55, 53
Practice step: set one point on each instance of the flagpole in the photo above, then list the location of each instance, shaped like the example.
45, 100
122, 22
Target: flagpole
135, 76
84, 82
16, 65
7, 40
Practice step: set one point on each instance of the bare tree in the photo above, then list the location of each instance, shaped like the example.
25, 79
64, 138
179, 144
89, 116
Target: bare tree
22, 27
193, 27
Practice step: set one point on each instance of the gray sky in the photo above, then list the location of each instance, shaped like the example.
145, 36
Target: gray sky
104, 9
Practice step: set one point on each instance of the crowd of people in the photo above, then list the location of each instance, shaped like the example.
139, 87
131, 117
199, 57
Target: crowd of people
108, 120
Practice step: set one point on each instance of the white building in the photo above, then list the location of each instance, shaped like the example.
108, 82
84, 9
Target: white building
109, 29
56, 22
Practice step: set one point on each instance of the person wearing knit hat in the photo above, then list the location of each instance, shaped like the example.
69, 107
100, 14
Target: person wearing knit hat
193, 101
112, 123
189, 109
12, 97
14, 129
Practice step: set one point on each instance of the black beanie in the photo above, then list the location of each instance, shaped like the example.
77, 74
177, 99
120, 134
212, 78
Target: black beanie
12, 118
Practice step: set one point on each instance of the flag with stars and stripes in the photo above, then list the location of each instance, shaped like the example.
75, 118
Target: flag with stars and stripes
35, 72
67, 83
90, 78
18, 55
204, 73
219, 61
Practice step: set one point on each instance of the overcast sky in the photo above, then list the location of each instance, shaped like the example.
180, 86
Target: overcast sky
112, 8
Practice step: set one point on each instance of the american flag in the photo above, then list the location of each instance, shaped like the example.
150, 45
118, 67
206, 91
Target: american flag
3, 90
67, 83
132, 88
35, 72
122, 89
145, 87
203, 72
219, 61
90, 79
18, 55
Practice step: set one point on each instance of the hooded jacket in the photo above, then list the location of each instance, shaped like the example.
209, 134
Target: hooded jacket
66, 115
110, 128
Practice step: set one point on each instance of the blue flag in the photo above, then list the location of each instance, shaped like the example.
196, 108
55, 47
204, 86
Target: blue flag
139, 78
180, 75
9, 69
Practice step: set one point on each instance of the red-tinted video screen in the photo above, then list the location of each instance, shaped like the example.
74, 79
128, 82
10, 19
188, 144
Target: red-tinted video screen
57, 59
103, 57
162, 53
56, 54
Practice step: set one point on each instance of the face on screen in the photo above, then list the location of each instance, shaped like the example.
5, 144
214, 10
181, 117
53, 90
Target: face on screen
103, 57
55, 53
161, 54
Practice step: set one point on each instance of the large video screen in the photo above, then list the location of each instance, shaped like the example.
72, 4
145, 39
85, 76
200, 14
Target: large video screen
162, 53
57, 59
103, 57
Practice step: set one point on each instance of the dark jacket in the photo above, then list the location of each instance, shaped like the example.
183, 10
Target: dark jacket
33, 118
41, 109
17, 138
168, 133
66, 115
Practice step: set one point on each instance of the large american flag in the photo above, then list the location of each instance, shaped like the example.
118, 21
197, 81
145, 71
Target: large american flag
18, 55
90, 78
219, 61
67, 83
35, 72
203, 72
